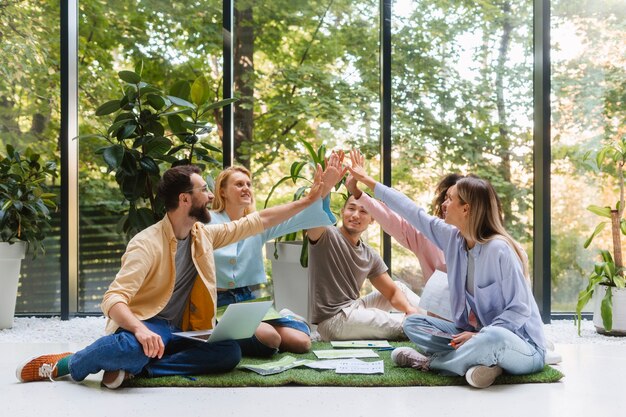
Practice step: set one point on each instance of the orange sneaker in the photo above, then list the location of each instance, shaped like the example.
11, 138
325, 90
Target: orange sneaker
40, 368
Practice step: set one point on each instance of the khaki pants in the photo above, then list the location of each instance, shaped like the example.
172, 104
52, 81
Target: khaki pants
369, 317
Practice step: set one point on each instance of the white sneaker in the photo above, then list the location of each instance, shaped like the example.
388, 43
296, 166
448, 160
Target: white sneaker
407, 357
481, 376
552, 357
114, 379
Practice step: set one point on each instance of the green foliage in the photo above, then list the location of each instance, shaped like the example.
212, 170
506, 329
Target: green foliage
24, 197
610, 271
30, 75
152, 131
314, 158
604, 273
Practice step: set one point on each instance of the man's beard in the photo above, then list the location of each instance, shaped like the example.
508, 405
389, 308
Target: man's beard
200, 213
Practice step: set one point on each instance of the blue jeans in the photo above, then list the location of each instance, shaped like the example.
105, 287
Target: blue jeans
182, 356
492, 345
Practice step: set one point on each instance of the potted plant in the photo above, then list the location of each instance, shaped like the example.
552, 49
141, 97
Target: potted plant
24, 218
289, 254
606, 286
151, 130
316, 156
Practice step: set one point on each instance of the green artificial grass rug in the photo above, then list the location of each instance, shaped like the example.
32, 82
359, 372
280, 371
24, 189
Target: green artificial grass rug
393, 376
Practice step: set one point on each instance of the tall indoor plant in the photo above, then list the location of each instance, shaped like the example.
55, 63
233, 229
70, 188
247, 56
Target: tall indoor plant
25, 205
606, 281
152, 131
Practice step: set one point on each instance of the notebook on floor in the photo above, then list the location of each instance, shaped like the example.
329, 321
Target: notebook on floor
238, 322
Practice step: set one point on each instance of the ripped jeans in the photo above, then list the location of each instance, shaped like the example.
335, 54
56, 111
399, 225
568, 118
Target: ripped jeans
492, 345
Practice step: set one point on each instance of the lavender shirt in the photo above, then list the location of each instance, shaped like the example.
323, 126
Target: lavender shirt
502, 297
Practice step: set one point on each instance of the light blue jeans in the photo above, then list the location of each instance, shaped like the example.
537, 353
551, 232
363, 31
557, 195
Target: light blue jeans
492, 345
182, 356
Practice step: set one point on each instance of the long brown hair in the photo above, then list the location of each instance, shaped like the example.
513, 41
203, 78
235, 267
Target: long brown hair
485, 218
219, 203
440, 192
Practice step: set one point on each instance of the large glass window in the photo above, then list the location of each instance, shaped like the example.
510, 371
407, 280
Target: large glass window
588, 109
165, 42
462, 102
304, 71
29, 117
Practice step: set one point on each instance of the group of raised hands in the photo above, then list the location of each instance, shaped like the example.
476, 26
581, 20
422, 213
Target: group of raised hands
336, 168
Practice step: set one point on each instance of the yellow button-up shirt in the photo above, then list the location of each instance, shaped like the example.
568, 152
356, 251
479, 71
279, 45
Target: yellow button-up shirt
146, 278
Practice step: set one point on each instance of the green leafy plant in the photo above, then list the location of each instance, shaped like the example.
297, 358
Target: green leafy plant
296, 176
610, 270
25, 200
153, 131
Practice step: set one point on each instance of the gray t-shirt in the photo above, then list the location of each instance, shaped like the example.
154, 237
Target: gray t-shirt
337, 271
185, 277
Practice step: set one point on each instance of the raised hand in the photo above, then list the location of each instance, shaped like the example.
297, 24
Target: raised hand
318, 185
357, 170
333, 173
351, 186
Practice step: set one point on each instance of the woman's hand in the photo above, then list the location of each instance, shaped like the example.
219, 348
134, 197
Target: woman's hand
459, 339
357, 170
333, 173
318, 185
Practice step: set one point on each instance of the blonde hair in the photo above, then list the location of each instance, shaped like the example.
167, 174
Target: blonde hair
219, 203
485, 216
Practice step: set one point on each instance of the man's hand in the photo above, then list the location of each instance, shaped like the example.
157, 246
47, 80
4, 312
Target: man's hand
152, 343
333, 173
412, 310
352, 188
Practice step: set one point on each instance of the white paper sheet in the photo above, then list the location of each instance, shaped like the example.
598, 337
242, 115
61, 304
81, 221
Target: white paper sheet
436, 295
360, 367
345, 353
328, 363
360, 344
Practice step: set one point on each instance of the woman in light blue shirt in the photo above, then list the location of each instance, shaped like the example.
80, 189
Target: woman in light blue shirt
496, 325
240, 265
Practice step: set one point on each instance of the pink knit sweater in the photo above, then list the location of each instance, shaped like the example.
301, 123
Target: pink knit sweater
429, 256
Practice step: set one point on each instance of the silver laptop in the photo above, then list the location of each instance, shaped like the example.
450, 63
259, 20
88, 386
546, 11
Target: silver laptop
238, 322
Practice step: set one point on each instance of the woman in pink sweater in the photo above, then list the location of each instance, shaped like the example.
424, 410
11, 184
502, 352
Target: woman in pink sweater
429, 256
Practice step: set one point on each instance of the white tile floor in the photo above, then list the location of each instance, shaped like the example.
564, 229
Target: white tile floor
590, 370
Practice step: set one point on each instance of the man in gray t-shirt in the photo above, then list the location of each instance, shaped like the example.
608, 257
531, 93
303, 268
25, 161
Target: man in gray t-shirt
339, 264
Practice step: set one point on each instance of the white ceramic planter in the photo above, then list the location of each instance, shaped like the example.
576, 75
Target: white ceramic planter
289, 278
10, 262
619, 311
